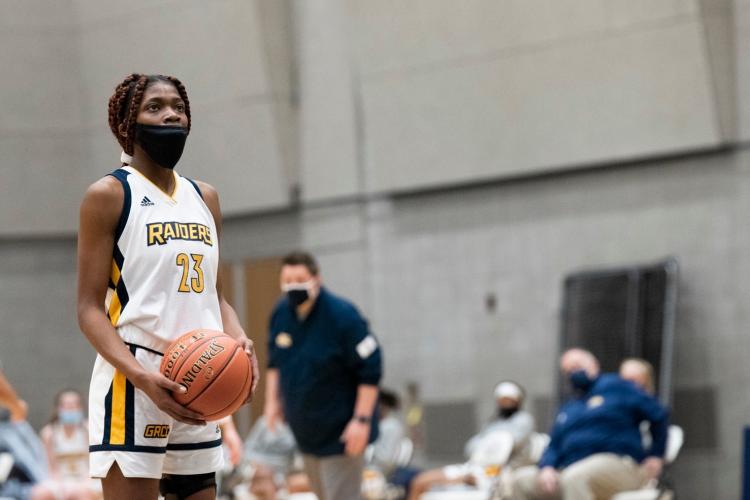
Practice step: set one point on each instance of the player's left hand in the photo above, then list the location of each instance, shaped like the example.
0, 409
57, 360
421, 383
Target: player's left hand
652, 467
355, 437
249, 348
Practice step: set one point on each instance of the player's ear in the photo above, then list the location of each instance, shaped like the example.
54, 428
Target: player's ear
122, 130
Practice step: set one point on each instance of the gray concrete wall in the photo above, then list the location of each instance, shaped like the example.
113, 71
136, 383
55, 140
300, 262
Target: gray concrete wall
234, 57
331, 99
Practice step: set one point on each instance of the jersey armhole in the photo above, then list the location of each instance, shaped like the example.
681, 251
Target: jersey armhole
195, 185
122, 176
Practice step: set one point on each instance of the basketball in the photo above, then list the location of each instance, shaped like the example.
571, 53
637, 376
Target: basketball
214, 369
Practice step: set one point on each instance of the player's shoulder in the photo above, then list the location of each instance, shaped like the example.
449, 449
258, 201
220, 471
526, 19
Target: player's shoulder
205, 189
105, 186
105, 194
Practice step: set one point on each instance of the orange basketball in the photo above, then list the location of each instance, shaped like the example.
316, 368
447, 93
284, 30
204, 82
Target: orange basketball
214, 369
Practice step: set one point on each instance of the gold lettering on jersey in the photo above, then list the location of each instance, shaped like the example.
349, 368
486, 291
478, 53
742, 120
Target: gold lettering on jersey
159, 233
156, 431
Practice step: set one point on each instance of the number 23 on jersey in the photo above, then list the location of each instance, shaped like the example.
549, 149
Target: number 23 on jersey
192, 274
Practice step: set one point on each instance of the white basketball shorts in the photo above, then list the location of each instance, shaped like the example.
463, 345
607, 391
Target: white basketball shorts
126, 427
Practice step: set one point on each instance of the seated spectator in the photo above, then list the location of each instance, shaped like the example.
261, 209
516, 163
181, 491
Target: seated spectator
385, 452
271, 455
66, 440
272, 448
595, 449
19, 444
511, 419
640, 372
386, 448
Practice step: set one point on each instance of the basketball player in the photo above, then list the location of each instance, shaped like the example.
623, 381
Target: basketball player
148, 260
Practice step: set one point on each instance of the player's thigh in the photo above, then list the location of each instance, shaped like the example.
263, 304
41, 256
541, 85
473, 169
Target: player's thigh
115, 486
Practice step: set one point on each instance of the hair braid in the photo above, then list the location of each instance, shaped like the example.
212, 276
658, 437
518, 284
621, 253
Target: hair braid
132, 112
126, 100
183, 94
116, 103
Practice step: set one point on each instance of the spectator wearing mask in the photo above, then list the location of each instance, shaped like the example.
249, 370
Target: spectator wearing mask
66, 441
596, 449
510, 419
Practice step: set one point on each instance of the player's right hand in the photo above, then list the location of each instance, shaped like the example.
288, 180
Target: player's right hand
273, 414
157, 387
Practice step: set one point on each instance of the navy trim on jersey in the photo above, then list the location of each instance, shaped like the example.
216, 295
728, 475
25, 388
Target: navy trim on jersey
137, 346
120, 288
194, 446
107, 416
130, 409
195, 185
122, 176
122, 447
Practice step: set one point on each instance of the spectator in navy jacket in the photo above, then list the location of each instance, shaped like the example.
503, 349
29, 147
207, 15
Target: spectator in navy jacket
324, 367
596, 448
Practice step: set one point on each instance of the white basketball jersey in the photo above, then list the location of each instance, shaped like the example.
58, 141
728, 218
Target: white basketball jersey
165, 263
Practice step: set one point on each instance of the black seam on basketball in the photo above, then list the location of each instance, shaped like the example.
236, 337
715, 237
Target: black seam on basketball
216, 374
176, 367
234, 400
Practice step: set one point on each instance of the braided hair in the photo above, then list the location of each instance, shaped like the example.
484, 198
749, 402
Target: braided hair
126, 101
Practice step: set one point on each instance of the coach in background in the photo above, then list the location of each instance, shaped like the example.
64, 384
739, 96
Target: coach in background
323, 373
596, 448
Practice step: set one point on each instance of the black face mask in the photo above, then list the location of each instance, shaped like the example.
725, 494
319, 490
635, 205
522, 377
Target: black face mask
297, 297
507, 412
163, 144
580, 381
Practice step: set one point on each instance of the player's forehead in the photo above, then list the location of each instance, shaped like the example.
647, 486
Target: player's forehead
291, 273
162, 91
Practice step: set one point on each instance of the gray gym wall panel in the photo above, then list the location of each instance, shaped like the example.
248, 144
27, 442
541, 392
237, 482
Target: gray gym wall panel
67, 58
217, 50
41, 349
40, 118
328, 134
401, 36
741, 19
590, 100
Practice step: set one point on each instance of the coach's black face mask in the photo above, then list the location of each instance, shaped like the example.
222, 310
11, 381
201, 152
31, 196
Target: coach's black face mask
163, 144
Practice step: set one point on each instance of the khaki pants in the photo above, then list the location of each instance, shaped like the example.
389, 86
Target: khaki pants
338, 477
597, 477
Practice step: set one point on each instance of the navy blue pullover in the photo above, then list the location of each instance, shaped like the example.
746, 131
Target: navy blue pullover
321, 360
606, 419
